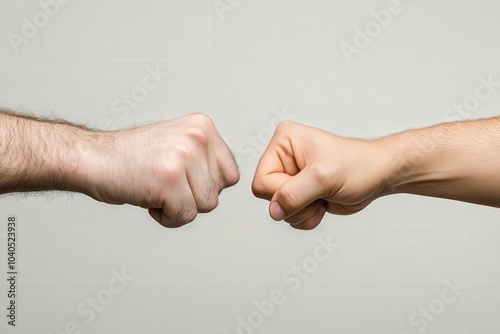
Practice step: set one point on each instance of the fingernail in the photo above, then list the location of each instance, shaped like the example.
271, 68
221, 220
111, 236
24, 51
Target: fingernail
276, 211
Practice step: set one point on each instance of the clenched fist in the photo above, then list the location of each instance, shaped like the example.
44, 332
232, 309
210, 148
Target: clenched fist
175, 169
306, 172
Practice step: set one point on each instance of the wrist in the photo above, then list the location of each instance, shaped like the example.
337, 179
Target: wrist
73, 160
415, 161
96, 152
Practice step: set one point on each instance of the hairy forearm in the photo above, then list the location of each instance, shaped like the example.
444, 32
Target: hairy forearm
38, 155
175, 168
459, 160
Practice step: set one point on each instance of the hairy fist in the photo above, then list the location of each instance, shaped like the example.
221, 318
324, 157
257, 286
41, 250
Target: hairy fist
175, 169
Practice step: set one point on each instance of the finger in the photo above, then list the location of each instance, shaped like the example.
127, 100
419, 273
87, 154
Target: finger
205, 182
306, 213
178, 206
312, 222
276, 166
163, 219
225, 160
296, 193
267, 185
224, 157
344, 210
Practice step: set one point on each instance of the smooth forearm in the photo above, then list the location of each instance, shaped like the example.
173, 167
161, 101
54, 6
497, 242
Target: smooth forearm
459, 161
40, 155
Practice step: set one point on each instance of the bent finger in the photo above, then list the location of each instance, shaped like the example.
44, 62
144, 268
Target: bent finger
312, 222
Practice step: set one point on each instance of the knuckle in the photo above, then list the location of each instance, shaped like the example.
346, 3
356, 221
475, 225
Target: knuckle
320, 172
171, 172
233, 174
259, 189
182, 148
283, 126
202, 119
233, 178
165, 221
178, 216
212, 203
198, 134
287, 198
190, 216
210, 200
218, 184
182, 151
187, 216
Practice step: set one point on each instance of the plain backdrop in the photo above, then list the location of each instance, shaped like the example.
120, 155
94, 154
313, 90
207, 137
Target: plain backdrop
243, 63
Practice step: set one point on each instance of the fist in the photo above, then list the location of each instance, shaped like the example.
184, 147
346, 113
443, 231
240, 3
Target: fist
306, 172
175, 169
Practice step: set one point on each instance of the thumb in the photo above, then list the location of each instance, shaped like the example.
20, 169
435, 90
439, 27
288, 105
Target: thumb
296, 193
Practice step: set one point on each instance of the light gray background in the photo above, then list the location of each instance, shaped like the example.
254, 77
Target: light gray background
393, 258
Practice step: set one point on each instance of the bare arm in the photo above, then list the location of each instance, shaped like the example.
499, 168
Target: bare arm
39, 154
459, 161
175, 168
306, 172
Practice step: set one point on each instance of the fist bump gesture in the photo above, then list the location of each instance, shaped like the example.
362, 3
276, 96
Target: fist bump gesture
177, 168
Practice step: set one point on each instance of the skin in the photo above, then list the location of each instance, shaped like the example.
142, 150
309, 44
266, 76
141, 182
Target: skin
306, 172
175, 169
